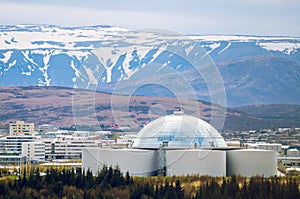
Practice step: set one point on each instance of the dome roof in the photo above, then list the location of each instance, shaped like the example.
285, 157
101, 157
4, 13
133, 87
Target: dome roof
179, 131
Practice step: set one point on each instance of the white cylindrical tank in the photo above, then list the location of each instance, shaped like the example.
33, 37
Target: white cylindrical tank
251, 162
196, 161
137, 161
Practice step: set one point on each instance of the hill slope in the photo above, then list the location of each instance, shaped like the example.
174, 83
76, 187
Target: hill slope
53, 105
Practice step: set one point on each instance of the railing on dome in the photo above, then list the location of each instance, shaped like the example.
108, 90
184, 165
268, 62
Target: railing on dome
178, 112
183, 142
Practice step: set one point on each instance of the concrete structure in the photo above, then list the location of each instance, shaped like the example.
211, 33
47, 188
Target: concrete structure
14, 148
126, 139
67, 146
266, 146
55, 164
34, 151
290, 161
138, 162
47, 127
13, 144
142, 162
293, 153
196, 161
21, 128
12, 160
179, 144
250, 162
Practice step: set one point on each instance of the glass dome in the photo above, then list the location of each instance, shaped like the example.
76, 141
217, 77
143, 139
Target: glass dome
178, 131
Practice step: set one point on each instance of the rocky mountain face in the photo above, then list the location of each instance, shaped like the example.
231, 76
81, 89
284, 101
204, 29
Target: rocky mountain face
253, 69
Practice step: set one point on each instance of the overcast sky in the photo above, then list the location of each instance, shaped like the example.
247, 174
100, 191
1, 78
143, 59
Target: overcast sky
259, 17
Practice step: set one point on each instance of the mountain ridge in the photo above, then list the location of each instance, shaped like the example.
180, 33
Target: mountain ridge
49, 55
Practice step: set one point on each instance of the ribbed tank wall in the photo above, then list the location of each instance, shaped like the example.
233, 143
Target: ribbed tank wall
251, 162
137, 162
196, 161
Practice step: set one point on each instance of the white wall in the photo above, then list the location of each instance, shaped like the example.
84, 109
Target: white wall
196, 161
251, 162
245, 162
137, 162
34, 151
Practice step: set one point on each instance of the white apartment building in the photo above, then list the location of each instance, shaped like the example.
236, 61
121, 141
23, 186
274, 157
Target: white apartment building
34, 151
67, 146
13, 144
293, 153
16, 147
266, 146
21, 128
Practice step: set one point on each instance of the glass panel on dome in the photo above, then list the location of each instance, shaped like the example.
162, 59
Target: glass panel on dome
181, 131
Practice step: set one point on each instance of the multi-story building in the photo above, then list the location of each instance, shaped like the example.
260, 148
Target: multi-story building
13, 144
13, 147
266, 146
21, 128
67, 146
34, 151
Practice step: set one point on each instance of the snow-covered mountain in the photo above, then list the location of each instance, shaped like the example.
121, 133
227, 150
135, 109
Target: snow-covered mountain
47, 55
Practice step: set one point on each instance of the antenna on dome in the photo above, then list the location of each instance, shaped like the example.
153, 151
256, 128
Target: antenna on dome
178, 111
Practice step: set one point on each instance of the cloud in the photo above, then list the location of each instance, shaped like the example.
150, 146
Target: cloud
15, 13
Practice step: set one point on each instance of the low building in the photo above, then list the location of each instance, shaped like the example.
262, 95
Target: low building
290, 161
12, 160
266, 146
47, 127
293, 153
125, 139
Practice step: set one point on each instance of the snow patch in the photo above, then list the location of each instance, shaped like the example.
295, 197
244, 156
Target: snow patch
11, 64
91, 77
27, 58
285, 47
188, 50
157, 53
46, 60
80, 55
240, 38
108, 75
212, 48
228, 45
163, 66
26, 73
77, 72
7, 56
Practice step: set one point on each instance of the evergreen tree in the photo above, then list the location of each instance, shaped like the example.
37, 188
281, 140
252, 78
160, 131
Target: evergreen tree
179, 189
